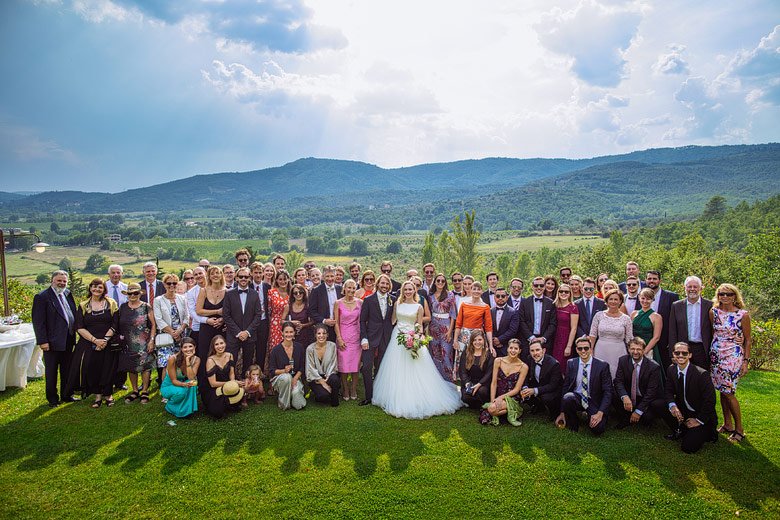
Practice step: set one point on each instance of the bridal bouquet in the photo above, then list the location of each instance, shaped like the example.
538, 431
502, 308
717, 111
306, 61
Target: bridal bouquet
413, 341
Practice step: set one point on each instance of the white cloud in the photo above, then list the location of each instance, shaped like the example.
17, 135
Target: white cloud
99, 11
672, 62
26, 145
759, 70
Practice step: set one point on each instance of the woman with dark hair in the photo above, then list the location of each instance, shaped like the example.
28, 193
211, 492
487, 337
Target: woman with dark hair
286, 368
136, 327
321, 368
180, 385
729, 355
94, 364
508, 376
220, 371
476, 371
443, 314
550, 286
568, 318
300, 277
299, 315
209, 305
278, 309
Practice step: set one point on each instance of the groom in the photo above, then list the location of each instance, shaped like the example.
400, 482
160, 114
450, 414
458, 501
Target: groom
376, 327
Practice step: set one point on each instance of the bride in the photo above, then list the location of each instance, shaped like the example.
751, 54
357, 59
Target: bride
408, 387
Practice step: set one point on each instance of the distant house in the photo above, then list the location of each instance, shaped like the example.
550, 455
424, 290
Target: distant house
190, 223
114, 238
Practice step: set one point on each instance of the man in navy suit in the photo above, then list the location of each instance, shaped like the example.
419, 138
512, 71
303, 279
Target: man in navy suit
242, 313
632, 269
587, 388
538, 318
489, 296
638, 387
588, 306
689, 321
376, 327
542, 387
54, 322
322, 298
506, 322
151, 287
663, 306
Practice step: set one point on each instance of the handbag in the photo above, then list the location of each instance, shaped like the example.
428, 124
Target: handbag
115, 344
163, 340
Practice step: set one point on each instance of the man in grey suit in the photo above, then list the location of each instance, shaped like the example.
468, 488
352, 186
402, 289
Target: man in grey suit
689, 321
242, 313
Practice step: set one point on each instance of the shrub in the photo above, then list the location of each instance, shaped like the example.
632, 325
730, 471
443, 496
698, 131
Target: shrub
765, 350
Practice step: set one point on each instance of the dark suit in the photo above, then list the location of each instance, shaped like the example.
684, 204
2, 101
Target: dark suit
700, 394
238, 320
395, 287
665, 310
622, 286
599, 390
678, 331
377, 330
548, 323
511, 302
486, 298
583, 324
548, 386
507, 329
159, 290
320, 308
649, 389
51, 326
261, 345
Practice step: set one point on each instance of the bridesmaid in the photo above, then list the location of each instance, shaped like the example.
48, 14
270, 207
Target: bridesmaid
180, 386
299, 277
299, 315
346, 313
647, 324
443, 315
476, 370
568, 317
730, 355
367, 285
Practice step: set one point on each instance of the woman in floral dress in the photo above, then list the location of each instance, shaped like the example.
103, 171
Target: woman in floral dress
443, 315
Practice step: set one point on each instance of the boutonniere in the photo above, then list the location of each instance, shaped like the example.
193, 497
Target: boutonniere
389, 302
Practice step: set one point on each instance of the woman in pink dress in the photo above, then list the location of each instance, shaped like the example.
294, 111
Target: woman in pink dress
568, 317
346, 313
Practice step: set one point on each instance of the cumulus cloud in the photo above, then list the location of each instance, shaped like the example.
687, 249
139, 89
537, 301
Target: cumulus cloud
707, 113
759, 70
672, 62
99, 11
275, 25
594, 37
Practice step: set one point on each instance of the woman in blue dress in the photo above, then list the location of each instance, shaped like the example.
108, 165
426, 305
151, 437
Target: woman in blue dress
180, 386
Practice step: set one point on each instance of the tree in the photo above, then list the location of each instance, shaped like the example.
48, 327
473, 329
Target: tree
65, 264
762, 283
42, 278
95, 263
315, 245
444, 253
428, 252
393, 247
358, 247
54, 227
294, 260
523, 267
504, 268
76, 285
464, 245
715, 207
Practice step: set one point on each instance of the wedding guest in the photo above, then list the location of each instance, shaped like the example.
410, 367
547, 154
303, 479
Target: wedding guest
300, 277
181, 288
588, 306
468, 281
575, 282
137, 329
429, 270
299, 315
457, 288
242, 258
195, 321
638, 387
509, 372
115, 285
261, 288
229, 275
515, 293
94, 370
730, 354
279, 262
346, 314
321, 300
586, 388
367, 285
180, 385
662, 304
376, 326
241, 312
221, 392
171, 316
188, 277
354, 273
150, 285
506, 321
538, 317
488, 296
269, 274
321, 368
689, 321
611, 331
278, 308
315, 278
286, 366
542, 387
550, 287
476, 372
253, 386
632, 270
209, 306
610, 285
647, 324
567, 316
632, 295
54, 322
204, 263
340, 273
443, 314
565, 275
473, 315
386, 267
422, 299
600, 279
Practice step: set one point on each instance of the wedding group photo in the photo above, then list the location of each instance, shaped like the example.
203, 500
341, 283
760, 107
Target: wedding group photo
332, 259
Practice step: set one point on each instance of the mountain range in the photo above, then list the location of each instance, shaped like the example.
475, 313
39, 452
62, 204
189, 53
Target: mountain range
504, 191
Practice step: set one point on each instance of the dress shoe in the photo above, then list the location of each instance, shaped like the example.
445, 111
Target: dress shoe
675, 435
71, 399
54, 404
364, 402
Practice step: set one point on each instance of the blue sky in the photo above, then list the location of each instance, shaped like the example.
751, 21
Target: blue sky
107, 95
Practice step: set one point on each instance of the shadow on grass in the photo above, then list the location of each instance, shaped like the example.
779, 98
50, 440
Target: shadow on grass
132, 436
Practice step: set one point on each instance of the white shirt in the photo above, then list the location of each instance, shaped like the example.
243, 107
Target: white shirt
656, 300
631, 305
331, 290
580, 371
538, 307
119, 298
694, 320
685, 381
192, 301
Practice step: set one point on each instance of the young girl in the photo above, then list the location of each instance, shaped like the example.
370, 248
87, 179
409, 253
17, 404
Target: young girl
253, 385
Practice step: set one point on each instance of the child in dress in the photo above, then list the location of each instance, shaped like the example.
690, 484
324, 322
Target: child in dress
253, 385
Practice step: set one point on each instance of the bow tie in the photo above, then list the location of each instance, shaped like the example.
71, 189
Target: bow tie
456, 293
538, 299
243, 291
632, 298
539, 364
500, 308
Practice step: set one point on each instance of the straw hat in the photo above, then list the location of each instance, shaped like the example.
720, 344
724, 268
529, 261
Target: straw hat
232, 391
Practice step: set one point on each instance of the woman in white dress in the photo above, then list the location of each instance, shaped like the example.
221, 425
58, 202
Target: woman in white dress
407, 387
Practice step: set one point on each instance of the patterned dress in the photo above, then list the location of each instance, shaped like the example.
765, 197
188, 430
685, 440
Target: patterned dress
135, 330
441, 350
165, 351
613, 335
276, 303
726, 355
504, 383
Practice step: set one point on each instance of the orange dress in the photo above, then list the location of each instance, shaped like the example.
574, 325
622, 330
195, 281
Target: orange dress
473, 316
276, 303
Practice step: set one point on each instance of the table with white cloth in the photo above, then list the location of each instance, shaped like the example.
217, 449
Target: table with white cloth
20, 357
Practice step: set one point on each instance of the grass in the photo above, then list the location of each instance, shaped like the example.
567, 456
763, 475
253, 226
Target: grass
534, 243
357, 462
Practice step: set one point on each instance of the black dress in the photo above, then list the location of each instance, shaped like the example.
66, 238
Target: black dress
216, 406
306, 336
207, 332
475, 375
92, 371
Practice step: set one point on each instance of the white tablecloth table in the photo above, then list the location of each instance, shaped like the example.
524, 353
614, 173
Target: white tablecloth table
20, 357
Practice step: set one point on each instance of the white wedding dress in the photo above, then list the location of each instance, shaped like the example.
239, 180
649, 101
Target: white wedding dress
412, 388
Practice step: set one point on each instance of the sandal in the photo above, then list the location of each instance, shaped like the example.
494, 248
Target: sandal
144, 398
96, 404
110, 401
131, 397
723, 429
736, 437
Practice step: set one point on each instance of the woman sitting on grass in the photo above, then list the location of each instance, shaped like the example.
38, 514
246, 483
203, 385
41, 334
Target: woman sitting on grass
508, 376
180, 386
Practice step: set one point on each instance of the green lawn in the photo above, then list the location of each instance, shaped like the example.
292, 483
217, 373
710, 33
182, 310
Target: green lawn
534, 243
357, 462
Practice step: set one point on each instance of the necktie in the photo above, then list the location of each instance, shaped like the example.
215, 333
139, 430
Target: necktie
681, 387
151, 291
537, 371
68, 312
585, 395
634, 383
587, 309
115, 293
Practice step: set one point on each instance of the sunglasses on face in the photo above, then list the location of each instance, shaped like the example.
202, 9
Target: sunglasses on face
564, 292
501, 296
368, 279
538, 285
722, 294
680, 353
631, 284
243, 277
387, 271
583, 349
589, 289
134, 293
297, 293
457, 280
186, 278
428, 272
171, 283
